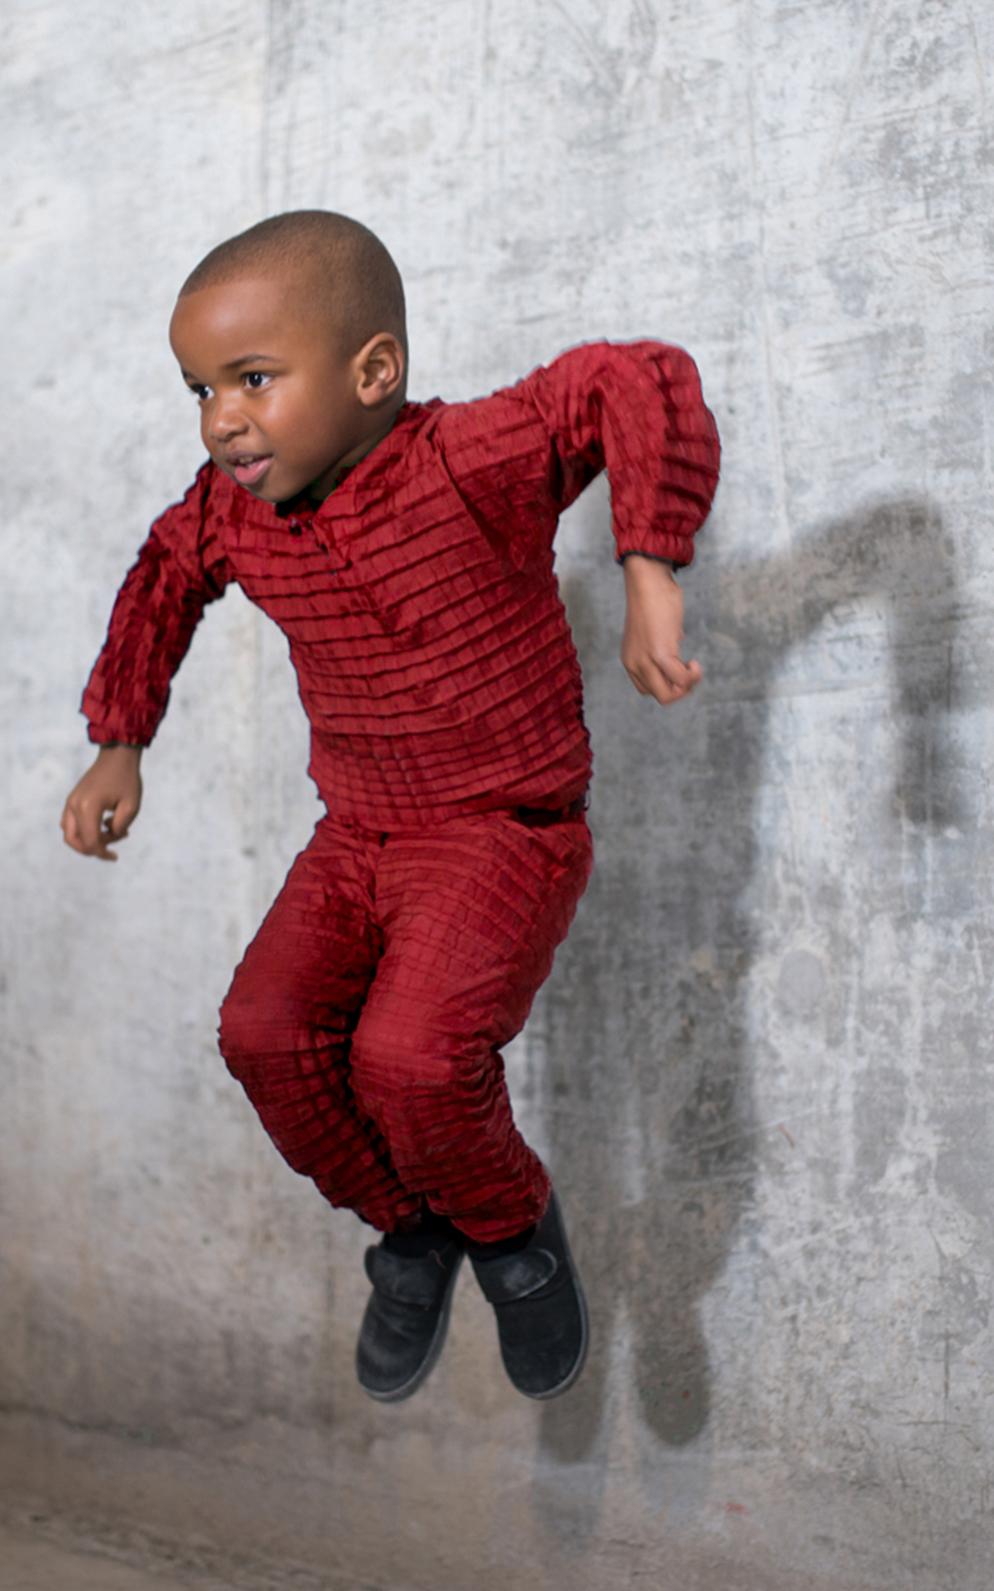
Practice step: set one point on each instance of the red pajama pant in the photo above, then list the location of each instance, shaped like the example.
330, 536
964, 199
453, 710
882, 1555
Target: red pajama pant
366, 1019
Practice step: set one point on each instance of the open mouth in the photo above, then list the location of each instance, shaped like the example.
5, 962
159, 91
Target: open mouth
248, 468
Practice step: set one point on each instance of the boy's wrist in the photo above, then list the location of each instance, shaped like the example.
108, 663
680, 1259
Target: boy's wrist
631, 560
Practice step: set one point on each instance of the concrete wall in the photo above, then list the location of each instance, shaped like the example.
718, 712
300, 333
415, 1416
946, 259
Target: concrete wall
760, 1069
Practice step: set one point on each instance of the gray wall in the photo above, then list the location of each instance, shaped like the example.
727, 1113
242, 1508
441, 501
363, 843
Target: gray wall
760, 1068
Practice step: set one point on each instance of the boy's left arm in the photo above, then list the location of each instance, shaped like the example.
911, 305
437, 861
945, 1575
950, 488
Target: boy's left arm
521, 456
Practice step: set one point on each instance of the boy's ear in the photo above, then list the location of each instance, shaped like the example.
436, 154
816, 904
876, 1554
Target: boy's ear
380, 369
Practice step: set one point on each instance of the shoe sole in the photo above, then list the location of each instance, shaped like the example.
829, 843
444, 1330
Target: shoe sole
428, 1363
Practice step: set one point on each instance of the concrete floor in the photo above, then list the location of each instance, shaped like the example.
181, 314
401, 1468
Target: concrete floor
42, 1552
36, 1564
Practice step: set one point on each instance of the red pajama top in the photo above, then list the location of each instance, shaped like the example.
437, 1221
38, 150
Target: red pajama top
433, 653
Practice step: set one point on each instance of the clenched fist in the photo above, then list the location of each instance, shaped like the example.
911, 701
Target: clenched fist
105, 802
650, 647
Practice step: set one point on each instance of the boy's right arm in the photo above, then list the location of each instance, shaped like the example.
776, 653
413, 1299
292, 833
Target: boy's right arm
179, 569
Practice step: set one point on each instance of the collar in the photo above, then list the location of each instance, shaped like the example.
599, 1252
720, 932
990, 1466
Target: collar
358, 479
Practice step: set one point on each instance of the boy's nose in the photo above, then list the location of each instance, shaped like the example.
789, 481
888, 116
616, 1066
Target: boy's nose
223, 430
225, 423
223, 438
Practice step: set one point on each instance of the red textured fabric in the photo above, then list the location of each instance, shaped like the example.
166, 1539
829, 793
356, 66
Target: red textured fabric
433, 653
438, 672
367, 1017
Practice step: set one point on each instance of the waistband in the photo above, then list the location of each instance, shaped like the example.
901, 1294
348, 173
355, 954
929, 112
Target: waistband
531, 816
539, 815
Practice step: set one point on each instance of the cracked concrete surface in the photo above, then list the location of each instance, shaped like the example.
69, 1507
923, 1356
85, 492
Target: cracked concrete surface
42, 1551
31, 1563
760, 1068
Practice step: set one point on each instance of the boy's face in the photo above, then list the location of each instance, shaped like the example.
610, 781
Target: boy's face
279, 407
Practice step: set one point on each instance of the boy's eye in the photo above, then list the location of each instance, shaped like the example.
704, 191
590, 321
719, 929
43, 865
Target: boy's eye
255, 379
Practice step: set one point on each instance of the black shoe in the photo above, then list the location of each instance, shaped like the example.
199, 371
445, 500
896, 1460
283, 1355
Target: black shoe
403, 1328
540, 1308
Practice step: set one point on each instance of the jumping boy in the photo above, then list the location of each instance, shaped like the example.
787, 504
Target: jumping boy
405, 549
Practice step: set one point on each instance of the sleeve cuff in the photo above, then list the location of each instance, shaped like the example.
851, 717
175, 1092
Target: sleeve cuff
657, 558
113, 737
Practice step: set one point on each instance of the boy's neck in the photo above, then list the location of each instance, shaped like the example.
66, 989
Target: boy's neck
351, 459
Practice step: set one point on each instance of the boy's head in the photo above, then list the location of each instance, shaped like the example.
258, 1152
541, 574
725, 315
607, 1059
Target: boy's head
293, 337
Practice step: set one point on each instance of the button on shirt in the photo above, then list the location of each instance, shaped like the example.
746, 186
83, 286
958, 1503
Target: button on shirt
432, 649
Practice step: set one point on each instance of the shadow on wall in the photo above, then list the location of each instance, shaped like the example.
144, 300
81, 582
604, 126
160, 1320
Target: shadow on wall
645, 1082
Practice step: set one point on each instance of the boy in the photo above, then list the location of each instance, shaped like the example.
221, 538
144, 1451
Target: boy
405, 549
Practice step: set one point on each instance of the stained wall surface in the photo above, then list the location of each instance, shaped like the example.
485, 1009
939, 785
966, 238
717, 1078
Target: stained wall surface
760, 1070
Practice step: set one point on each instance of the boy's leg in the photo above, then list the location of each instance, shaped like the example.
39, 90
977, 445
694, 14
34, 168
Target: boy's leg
471, 911
287, 1021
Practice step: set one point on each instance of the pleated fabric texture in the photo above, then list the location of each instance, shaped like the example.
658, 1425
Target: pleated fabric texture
433, 653
436, 666
366, 1019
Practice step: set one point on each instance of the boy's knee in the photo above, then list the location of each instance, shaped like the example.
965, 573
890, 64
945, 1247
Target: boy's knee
400, 1070
254, 1022
236, 1025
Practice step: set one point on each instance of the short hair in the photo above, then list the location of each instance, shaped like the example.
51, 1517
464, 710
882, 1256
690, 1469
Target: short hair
351, 272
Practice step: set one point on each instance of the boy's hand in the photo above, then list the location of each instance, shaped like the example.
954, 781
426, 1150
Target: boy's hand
113, 785
650, 647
